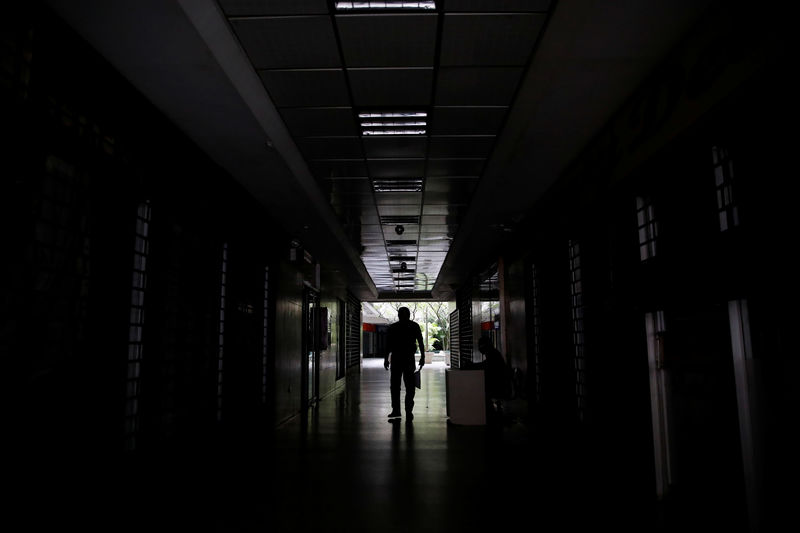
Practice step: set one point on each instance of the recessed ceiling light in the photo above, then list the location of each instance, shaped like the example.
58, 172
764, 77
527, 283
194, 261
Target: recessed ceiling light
397, 185
395, 114
347, 6
393, 122
394, 132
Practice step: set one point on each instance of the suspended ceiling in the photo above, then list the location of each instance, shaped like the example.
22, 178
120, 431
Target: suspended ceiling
508, 91
395, 110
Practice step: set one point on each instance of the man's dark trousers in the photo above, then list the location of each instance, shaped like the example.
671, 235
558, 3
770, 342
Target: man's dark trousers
404, 370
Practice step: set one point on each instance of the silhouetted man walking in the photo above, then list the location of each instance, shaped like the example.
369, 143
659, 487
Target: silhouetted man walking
402, 339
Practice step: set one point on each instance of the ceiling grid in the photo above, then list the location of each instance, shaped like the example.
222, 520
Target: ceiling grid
460, 62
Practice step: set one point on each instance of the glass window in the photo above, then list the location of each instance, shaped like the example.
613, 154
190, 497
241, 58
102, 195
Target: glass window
136, 324
647, 228
221, 328
727, 210
576, 291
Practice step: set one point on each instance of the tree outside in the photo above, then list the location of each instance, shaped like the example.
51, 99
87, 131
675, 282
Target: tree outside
433, 318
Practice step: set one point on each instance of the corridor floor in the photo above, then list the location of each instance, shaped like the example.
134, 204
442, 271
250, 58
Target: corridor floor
358, 471
345, 467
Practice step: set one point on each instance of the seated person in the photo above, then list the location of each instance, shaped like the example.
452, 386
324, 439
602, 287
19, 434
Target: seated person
496, 375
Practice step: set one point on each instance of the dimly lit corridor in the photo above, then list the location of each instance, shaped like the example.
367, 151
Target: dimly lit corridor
344, 467
357, 471
216, 212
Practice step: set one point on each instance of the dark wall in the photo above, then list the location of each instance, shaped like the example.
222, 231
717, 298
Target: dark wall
513, 316
83, 151
288, 343
713, 89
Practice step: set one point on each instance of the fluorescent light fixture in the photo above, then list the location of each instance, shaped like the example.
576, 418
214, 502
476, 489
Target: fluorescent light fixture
397, 185
399, 114
393, 123
394, 132
346, 6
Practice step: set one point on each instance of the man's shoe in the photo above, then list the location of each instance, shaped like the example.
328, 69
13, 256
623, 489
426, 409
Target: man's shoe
409, 417
395, 414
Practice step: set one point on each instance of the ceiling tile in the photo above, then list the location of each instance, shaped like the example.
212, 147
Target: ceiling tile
445, 184
452, 212
399, 210
306, 88
477, 86
288, 42
433, 219
431, 256
435, 246
388, 40
464, 146
438, 228
396, 168
398, 199
455, 167
273, 7
399, 87
467, 120
489, 39
389, 147
497, 5
314, 122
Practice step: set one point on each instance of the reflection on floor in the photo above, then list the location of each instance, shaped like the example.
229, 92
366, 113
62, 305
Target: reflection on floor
362, 472
345, 467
